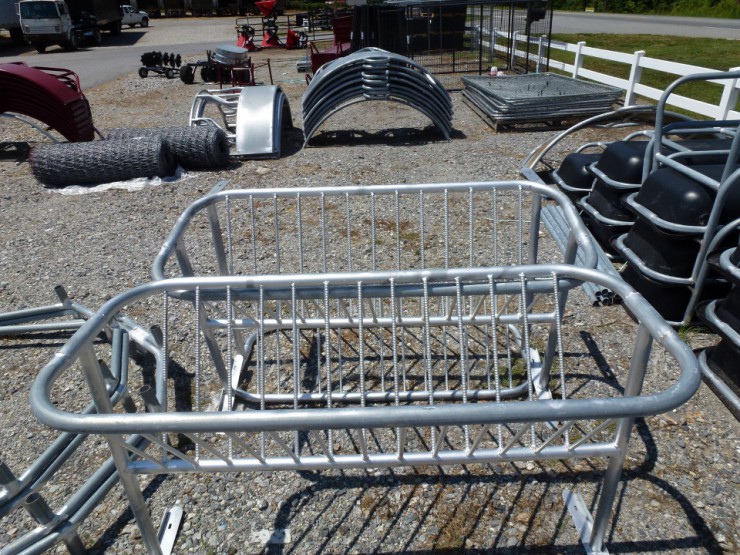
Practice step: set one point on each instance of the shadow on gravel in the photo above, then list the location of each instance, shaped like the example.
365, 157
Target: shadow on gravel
128, 37
460, 518
405, 136
457, 526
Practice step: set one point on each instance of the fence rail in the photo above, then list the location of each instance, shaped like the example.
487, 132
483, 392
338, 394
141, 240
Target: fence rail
636, 62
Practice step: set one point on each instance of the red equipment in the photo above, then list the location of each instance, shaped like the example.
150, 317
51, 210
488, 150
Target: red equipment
50, 95
341, 46
270, 37
295, 39
245, 36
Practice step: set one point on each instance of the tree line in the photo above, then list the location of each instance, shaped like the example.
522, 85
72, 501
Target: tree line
696, 8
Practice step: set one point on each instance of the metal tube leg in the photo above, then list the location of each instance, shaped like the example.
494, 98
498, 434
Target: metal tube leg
606, 499
135, 499
128, 480
42, 513
640, 356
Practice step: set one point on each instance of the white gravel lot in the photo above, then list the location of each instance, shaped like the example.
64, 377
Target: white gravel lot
679, 491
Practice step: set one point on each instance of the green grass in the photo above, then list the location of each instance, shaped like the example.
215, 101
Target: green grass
719, 54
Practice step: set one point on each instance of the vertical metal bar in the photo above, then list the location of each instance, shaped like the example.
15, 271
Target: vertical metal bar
253, 233
373, 232
130, 484
276, 225
361, 353
198, 367
299, 239
559, 308
494, 327
523, 308
329, 379
429, 383
520, 218
394, 340
216, 235
323, 232
340, 340
348, 223
422, 247
229, 235
534, 227
471, 219
296, 361
229, 361
398, 231
447, 228
463, 353
261, 363
635, 379
494, 226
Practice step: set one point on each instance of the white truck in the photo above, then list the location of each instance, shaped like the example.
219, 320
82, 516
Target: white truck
68, 23
133, 17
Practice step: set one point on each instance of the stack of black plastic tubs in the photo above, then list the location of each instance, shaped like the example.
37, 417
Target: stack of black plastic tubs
677, 217
617, 173
50, 95
720, 363
686, 211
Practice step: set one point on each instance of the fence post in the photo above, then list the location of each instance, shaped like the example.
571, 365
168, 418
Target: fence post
514, 37
634, 79
540, 49
494, 34
729, 96
578, 62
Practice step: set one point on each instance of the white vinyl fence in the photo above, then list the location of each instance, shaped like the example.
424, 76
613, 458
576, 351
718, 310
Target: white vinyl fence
726, 109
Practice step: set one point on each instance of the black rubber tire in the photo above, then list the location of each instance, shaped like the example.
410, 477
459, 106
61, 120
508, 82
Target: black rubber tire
97, 38
187, 74
94, 162
209, 73
40, 48
194, 148
144, 23
169, 73
143, 72
72, 44
115, 28
16, 35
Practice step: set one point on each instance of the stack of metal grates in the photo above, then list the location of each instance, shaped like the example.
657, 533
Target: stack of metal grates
536, 97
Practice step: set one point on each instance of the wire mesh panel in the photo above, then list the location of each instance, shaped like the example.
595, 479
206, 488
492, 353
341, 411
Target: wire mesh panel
387, 369
373, 228
367, 229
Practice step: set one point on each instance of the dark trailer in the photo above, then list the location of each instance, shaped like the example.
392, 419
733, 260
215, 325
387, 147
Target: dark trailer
454, 38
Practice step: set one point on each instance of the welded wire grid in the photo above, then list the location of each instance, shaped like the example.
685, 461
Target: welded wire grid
362, 229
368, 345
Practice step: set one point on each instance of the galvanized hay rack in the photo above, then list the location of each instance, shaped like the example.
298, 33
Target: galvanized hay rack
368, 361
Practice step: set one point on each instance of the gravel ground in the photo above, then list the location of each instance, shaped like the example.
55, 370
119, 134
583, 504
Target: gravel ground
679, 490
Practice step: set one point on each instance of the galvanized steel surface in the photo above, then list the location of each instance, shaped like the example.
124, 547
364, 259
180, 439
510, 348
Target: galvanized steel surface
374, 74
253, 118
538, 96
335, 360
